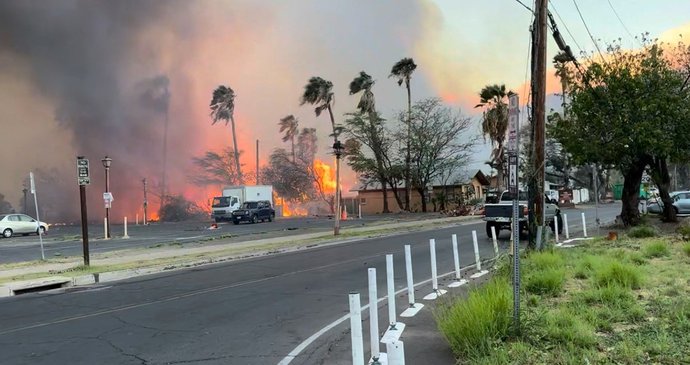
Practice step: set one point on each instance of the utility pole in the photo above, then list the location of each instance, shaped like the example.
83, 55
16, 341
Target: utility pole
539, 30
257, 162
146, 202
26, 209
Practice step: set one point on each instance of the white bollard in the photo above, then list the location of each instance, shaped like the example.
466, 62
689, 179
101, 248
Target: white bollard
126, 235
413, 307
105, 228
565, 225
584, 225
373, 315
137, 219
356, 330
555, 226
395, 328
434, 274
359, 214
456, 261
396, 353
479, 272
390, 285
495, 239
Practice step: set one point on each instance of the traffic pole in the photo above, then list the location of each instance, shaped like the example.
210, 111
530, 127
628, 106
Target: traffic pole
84, 224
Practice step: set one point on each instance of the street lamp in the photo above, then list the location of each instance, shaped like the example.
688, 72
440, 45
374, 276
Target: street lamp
338, 149
106, 163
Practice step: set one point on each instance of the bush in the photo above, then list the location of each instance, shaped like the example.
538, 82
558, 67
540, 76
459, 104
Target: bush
655, 249
616, 273
471, 326
686, 249
642, 232
545, 282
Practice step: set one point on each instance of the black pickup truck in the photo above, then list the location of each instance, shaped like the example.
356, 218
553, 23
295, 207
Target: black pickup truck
499, 215
254, 212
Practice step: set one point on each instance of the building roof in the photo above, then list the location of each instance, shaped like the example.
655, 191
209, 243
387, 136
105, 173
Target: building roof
481, 178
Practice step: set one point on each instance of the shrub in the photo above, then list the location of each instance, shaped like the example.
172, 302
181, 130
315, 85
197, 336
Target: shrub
471, 326
545, 282
655, 249
636, 258
684, 231
642, 232
616, 273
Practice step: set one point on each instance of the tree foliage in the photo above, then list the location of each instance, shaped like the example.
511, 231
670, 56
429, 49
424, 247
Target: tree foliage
223, 108
216, 168
492, 98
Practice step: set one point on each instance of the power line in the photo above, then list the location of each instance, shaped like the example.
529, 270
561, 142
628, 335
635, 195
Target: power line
621, 21
525, 6
588, 32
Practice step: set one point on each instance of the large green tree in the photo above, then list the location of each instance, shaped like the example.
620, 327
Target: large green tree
493, 99
402, 70
223, 108
629, 111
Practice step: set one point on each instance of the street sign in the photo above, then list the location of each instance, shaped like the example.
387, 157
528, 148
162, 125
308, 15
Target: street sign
512, 174
513, 121
33, 184
83, 177
108, 199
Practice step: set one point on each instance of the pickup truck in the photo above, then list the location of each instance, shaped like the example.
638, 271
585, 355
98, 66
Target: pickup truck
499, 215
253, 212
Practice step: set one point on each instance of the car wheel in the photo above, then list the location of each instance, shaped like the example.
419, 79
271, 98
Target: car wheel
7, 233
255, 219
43, 230
270, 217
236, 222
488, 229
218, 220
676, 209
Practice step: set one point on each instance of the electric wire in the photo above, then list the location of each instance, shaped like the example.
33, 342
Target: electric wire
621, 21
582, 52
525, 6
588, 32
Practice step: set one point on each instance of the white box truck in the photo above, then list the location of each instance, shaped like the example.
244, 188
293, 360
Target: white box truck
233, 197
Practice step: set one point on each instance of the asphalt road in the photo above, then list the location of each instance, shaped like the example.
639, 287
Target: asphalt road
65, 241
253, 311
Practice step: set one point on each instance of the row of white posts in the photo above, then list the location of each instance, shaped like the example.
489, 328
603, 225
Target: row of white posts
395, 353
565, 226
105, 228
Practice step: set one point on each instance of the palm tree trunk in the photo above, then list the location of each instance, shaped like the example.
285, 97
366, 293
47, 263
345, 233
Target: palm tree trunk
408, 191
292, 140
237, 152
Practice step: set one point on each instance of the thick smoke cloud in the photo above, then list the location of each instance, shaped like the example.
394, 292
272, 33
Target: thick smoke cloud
98, 78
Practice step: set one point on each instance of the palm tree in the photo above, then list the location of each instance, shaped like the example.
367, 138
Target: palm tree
495, 124
319, 92
223, 108
403, 70
367, 104
289, 125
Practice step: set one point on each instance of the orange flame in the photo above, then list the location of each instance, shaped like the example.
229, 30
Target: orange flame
326, 176
294, 211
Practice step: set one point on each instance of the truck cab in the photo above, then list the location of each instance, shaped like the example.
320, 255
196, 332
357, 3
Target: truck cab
499, 216
223, 206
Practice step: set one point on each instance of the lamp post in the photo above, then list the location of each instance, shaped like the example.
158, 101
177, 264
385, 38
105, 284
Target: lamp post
338, 151
106, 163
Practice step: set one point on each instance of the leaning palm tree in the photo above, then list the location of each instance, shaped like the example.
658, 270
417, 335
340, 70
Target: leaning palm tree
495, 124
289, 125
223, 108
319, 92
403, 70
367, 105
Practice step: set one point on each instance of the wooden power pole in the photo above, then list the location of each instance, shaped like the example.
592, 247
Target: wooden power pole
539, 34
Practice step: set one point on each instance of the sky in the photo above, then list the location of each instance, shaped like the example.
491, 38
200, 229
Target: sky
73, 72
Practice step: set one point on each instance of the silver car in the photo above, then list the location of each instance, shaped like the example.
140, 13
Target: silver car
11, 224
681, 203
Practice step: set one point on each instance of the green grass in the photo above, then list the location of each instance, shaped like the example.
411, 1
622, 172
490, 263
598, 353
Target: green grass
686, 249
545, 282
603, 302
655, 249
642, 232
473, 325
684, 232
617, 273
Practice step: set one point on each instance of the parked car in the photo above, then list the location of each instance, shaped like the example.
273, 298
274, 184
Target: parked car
681, 202
254, 212
11, 224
